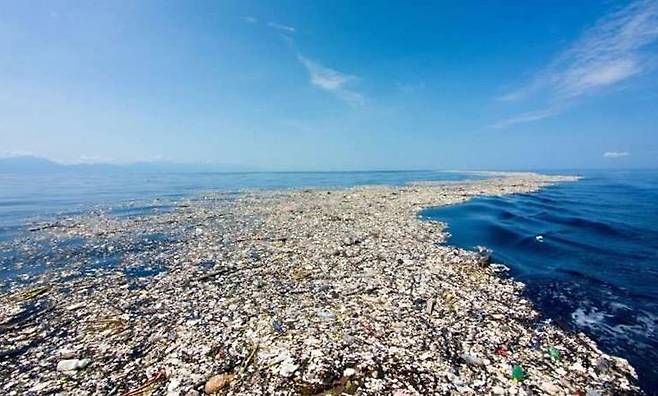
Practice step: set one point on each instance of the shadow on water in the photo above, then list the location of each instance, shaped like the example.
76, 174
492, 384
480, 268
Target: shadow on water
586, 252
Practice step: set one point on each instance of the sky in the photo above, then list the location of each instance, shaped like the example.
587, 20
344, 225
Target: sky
332, 85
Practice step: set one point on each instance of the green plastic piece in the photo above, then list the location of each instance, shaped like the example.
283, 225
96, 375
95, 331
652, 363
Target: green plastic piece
517, 373
554, 353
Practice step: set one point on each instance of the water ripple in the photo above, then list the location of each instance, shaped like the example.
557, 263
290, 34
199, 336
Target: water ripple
587, 252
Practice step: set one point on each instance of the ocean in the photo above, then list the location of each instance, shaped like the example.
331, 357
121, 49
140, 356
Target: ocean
36, 197
587, 250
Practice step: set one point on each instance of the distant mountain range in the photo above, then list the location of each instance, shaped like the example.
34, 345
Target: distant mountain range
33, 164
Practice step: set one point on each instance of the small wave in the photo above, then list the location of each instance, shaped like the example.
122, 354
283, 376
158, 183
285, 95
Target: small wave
595, 269
503, 234
591, 318
590, 225
507, 215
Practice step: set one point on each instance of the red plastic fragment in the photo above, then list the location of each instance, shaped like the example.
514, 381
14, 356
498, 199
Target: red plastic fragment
502, 351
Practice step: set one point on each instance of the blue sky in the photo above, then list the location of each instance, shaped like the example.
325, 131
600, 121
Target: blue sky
333, 85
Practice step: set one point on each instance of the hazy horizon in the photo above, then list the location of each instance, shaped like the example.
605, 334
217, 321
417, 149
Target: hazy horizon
245, 168
332, 86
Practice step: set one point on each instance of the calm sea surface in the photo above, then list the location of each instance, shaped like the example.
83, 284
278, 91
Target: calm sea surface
31, 197
587, 251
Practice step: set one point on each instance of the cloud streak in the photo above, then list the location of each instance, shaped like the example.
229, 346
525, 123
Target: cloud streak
523, 118
250, 19
608, 53
278, 26
615, 154
332, 81
323, 77
615, 49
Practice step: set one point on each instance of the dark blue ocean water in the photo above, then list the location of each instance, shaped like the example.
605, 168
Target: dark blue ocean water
587, 251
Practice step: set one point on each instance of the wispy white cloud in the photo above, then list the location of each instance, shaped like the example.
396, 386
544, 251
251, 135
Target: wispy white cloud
615, 49
332, 81
250, 19
523, 118
285, 28
615, 154
611, 51
328, 79
278, 26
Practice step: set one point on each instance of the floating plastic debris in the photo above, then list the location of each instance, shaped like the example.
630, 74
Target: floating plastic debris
502, 352
277, 326
373, 302
554, 353
518, 374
